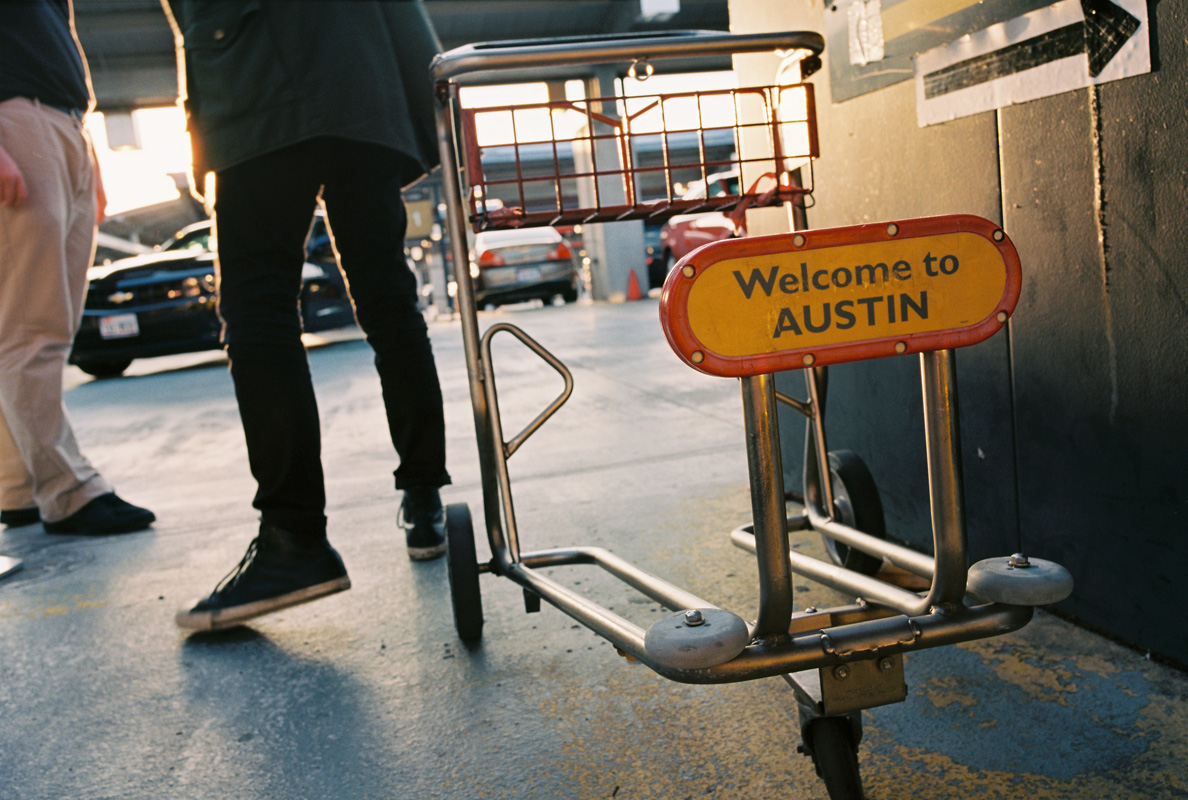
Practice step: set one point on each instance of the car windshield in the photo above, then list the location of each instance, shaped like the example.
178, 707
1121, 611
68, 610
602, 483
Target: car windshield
197, 239
721, 183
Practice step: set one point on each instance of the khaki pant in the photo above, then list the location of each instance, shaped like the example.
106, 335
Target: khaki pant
46, 245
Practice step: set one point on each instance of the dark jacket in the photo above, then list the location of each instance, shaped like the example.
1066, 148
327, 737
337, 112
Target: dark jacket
259, 75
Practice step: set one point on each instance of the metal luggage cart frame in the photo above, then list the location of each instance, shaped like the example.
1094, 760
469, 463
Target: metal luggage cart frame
838, 660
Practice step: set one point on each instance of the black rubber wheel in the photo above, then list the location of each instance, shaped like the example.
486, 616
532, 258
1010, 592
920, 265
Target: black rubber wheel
462, 569
105, 368
570, 295
855, 503
830, 742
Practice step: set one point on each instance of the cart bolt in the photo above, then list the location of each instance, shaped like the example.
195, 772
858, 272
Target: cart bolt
811, 610
841, 672
693, 618
1018, 561
641, 69
885, 664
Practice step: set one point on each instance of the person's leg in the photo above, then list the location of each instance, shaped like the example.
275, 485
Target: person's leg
263, 210
367, 220
17, 506
47, 243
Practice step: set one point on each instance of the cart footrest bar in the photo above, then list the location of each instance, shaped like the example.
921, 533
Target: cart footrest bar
660, 590
840, 644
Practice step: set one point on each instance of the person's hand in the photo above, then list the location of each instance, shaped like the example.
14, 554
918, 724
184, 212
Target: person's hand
100, 194
13, 190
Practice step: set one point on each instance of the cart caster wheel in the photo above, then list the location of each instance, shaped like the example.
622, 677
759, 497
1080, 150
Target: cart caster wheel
696, 639
830, 742
1020, 581
855, 503
462, 569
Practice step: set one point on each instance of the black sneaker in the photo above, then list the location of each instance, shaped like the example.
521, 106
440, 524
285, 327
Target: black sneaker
20, 517
276, 572
423, 520
107, 513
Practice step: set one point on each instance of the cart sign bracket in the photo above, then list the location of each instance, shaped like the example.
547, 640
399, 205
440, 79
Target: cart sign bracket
758, 305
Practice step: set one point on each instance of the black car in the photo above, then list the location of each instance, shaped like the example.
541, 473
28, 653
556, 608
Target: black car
163, 303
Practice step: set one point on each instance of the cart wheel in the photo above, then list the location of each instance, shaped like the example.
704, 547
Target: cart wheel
462, 569
830, 742
855, 503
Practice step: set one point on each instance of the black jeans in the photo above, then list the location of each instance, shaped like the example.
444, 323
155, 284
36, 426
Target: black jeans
263, 211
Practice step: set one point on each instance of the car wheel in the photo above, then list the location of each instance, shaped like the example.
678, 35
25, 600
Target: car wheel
105, 368
570, 295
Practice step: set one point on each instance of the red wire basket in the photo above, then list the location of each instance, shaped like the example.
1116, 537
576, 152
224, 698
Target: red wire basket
567, 162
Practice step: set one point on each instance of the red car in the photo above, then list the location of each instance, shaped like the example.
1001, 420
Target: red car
685, 233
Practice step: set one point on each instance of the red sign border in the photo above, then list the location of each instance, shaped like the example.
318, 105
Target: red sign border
674, 316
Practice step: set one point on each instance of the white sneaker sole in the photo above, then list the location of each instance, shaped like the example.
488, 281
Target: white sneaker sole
230, 617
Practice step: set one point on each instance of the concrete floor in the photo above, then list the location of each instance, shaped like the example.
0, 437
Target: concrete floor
369, 694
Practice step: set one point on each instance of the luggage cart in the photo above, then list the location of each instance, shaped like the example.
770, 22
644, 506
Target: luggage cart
837, 660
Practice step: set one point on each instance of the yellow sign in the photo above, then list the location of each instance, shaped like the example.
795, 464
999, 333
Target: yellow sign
754, 305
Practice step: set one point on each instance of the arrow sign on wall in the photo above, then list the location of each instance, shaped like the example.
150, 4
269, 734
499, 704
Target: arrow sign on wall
1067, 45
1104, 31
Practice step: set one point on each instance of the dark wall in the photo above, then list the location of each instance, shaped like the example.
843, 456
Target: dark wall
1075, 420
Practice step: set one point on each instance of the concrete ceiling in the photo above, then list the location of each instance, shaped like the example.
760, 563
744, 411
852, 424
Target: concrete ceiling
130, 48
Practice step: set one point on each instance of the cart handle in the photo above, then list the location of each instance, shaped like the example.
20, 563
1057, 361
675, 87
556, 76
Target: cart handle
528, 53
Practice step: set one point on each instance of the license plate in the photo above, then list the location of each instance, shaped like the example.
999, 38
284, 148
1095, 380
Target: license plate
528, 275
119, 326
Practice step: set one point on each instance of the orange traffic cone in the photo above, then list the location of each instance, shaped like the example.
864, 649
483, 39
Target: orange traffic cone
633, 292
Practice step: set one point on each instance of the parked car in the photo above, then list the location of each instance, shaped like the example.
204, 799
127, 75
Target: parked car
163, 303
511, 266
654, 256
684, 233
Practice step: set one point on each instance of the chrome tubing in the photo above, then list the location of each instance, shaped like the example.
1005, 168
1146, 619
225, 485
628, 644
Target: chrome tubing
839, 578
948, 570
446, 97
666, 594
510, 553
603, 50
513, 444
767, 505
897, 555
938, 378
768, 657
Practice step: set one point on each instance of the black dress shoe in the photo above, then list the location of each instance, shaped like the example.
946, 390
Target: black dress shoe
19, 517
105, 514
278, 571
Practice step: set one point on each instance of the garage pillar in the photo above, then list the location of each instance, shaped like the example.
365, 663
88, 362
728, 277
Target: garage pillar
615, 249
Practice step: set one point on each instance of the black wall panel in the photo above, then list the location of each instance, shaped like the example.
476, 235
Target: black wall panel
1075, 421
